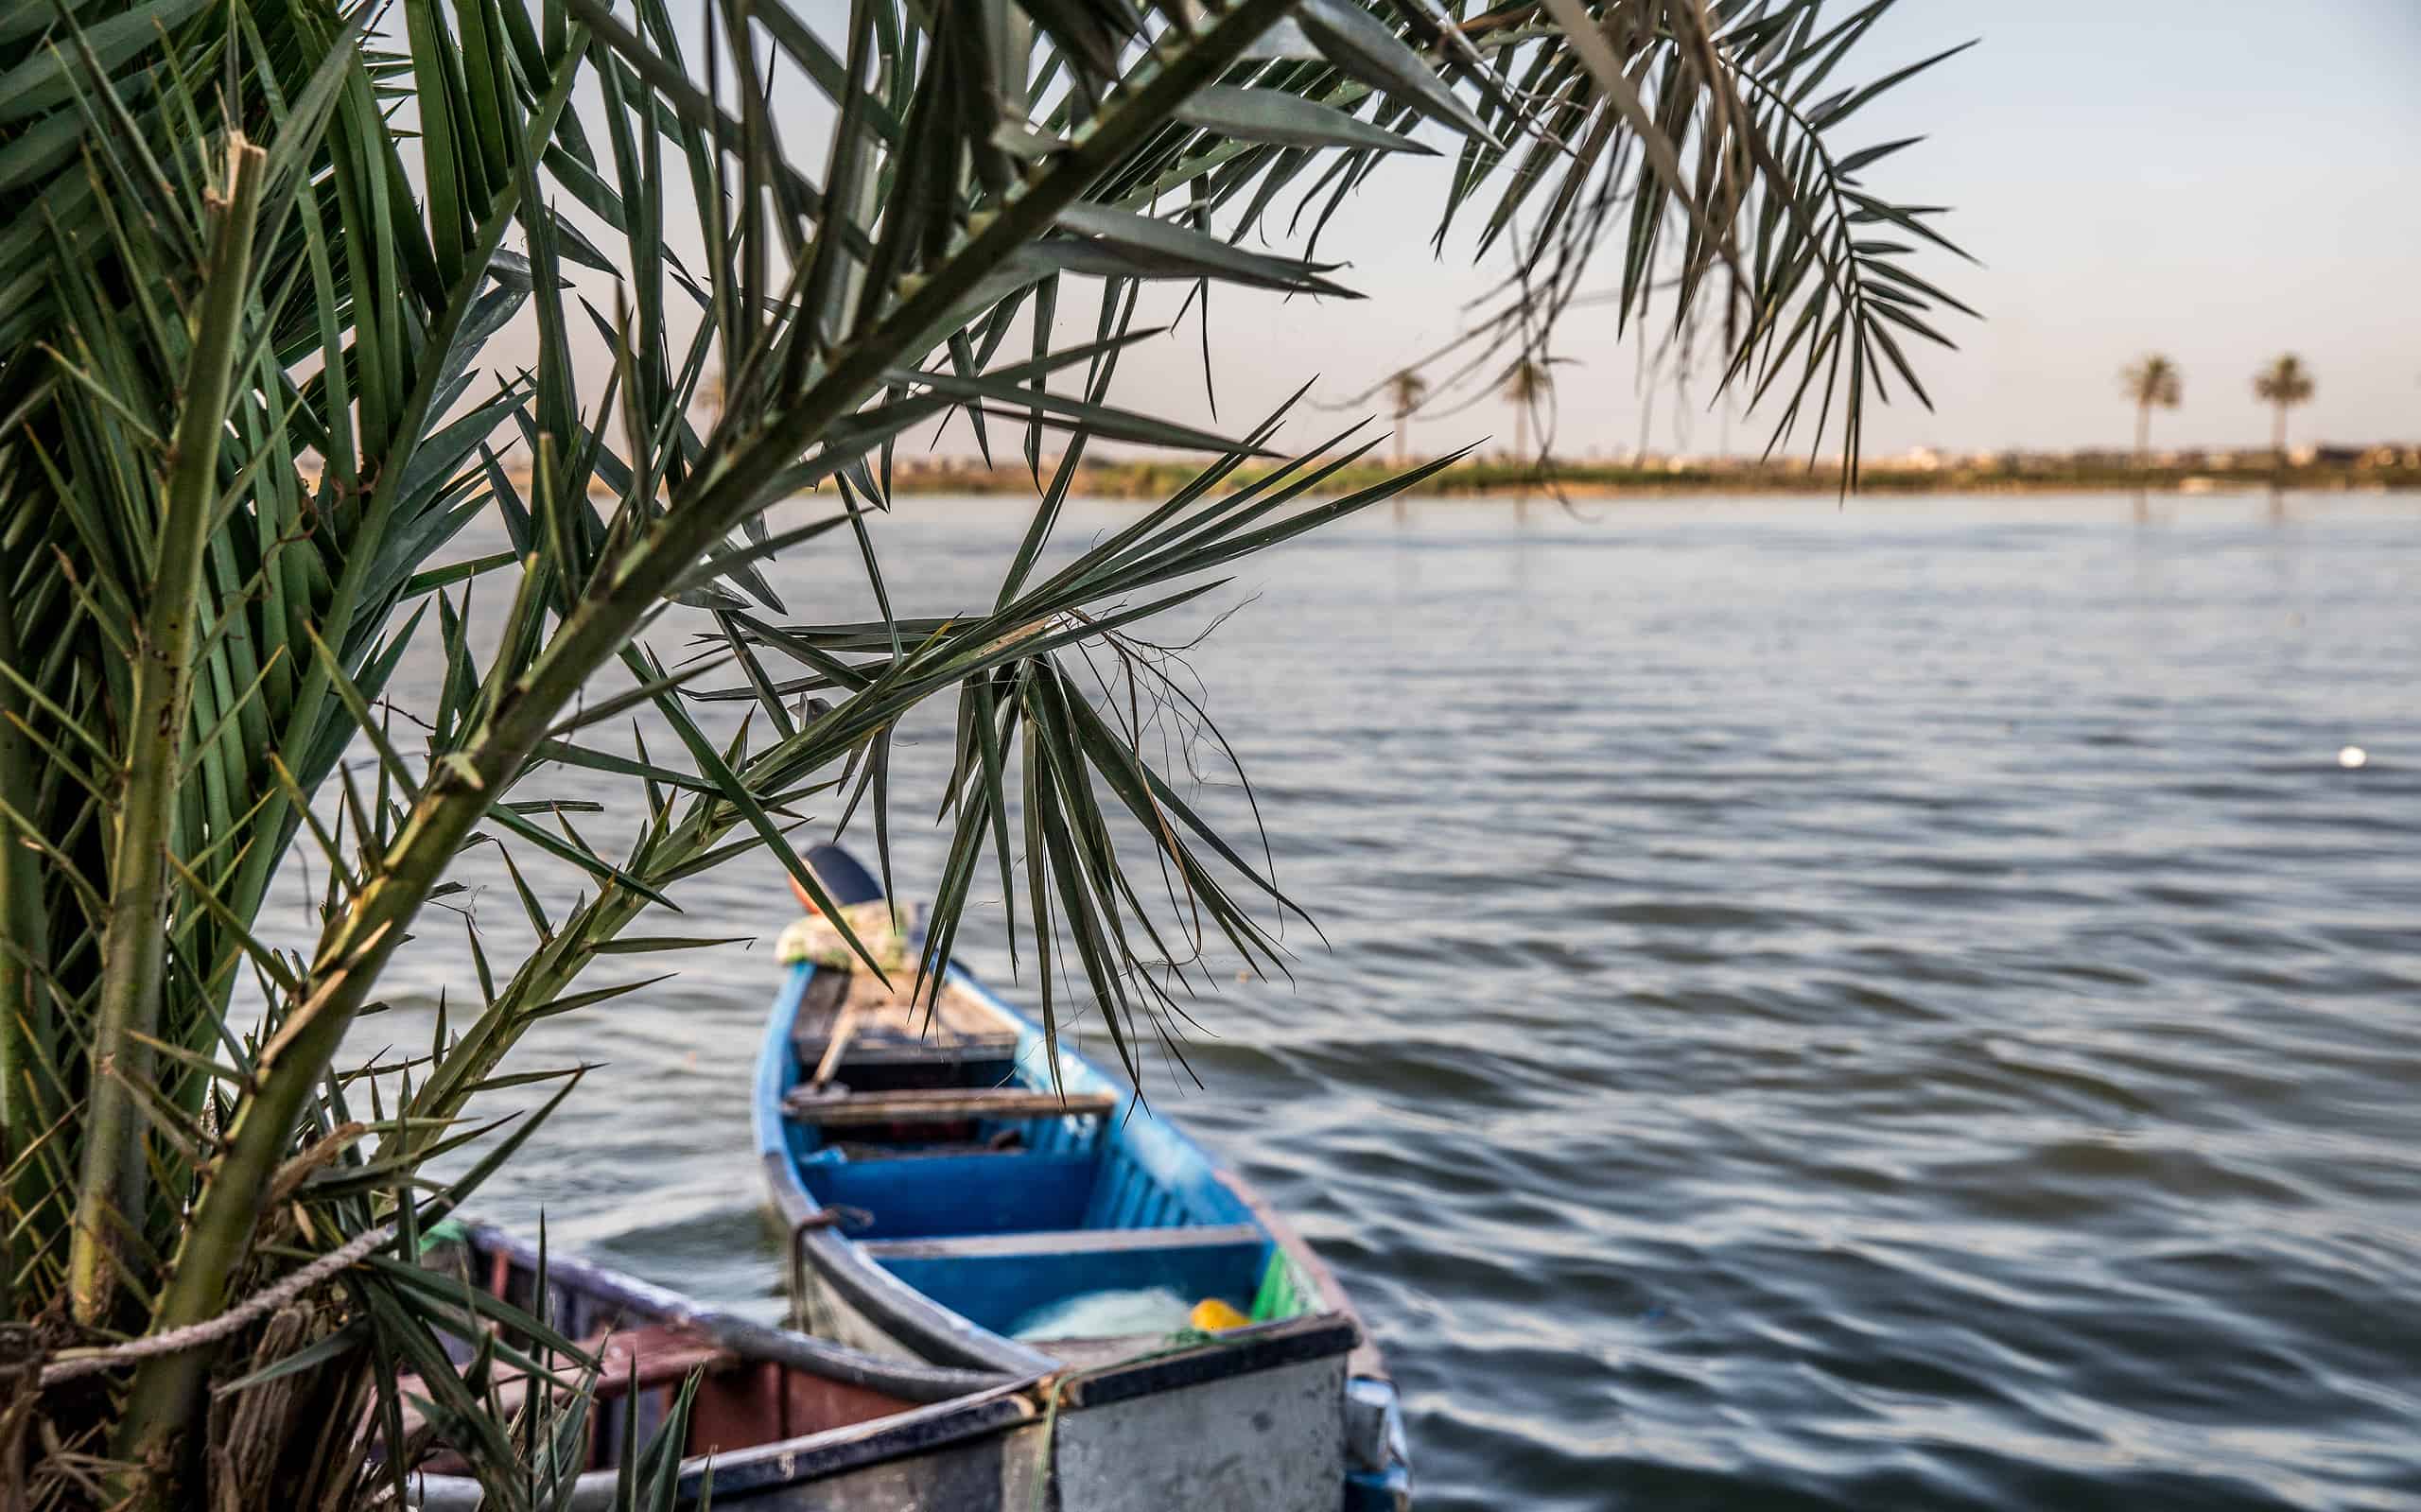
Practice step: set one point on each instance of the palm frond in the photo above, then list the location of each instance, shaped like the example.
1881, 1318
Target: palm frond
247, 417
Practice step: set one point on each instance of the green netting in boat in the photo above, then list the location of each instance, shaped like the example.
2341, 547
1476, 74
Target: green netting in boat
1283, 1292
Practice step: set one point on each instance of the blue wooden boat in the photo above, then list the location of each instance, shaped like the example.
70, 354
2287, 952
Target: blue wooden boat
949, 1204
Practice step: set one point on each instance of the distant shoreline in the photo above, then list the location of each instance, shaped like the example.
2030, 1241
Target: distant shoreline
1481, 479
2377, 470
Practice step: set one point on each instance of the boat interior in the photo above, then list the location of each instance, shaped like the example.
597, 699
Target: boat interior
959, 1168
743, 1400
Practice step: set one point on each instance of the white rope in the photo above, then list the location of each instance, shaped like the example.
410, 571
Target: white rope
80, 1363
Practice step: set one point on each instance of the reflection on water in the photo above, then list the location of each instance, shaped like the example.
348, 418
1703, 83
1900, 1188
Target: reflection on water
1887, 1008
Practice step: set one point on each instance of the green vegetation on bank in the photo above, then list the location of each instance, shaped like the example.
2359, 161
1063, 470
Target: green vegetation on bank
2383, 467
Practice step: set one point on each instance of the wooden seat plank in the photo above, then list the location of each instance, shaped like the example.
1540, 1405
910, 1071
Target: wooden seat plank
886, 1049
642, 1359
1063, 1242
859, 1150
943, 1105
659, 1355
960, 1021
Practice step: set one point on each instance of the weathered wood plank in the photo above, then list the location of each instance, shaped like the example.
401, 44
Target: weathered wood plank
944, 1104
871, 1048
630, 1360
857, 1150
845, 1029
657, 1355
959, 1020
1063, 1242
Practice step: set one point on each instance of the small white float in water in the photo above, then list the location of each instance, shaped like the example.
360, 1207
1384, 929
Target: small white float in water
2352, 757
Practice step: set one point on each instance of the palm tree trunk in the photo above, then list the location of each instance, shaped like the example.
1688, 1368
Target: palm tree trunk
114, 1185
26, 1048
166, 1395
2279, 433
2143, 432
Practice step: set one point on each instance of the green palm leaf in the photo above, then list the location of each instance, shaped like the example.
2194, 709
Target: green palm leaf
247, 418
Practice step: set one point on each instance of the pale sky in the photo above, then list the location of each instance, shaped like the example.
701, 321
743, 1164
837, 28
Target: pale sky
2215, 179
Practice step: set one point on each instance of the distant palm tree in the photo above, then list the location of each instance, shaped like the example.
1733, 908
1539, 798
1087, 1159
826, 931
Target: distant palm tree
2283, 385
1527, 383
1407, 389
2153, 381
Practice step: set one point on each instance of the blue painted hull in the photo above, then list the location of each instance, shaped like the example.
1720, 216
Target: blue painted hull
949, 1250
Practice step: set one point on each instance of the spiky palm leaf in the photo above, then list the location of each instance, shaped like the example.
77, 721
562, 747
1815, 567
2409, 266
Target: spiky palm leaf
1686, 162
242, 234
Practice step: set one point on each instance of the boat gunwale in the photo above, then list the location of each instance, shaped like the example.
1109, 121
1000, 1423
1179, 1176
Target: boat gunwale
933, 1331
929, 1326
947, 1405
914, 1380
1378, 1471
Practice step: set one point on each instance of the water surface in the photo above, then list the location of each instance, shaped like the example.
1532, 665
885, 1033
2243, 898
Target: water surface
1887, 1008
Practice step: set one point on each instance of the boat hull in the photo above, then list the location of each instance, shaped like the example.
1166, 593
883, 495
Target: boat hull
913, 1437
1252, 1427
1293, 1413
817, 1425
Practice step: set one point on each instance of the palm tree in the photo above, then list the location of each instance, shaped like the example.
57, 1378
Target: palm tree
1526, 385
2152, 381
1405, 390
2282, 384
234, 236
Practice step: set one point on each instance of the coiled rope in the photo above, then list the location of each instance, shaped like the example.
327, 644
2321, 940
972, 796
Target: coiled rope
76, 1364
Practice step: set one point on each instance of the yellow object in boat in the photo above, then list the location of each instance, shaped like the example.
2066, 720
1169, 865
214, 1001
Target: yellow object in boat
1212, 1316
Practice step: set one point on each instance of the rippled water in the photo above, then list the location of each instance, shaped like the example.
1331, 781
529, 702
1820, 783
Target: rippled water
1889, 1008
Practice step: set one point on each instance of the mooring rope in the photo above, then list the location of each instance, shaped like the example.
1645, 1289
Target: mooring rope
81, 1363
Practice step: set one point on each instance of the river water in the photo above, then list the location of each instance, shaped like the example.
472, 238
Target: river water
1894, 1007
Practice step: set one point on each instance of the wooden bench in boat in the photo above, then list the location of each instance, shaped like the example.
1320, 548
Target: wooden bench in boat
1063, 1242
645, 1358
862, 1150
894, 1048
946, 1105
881, 1026
629, 1360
